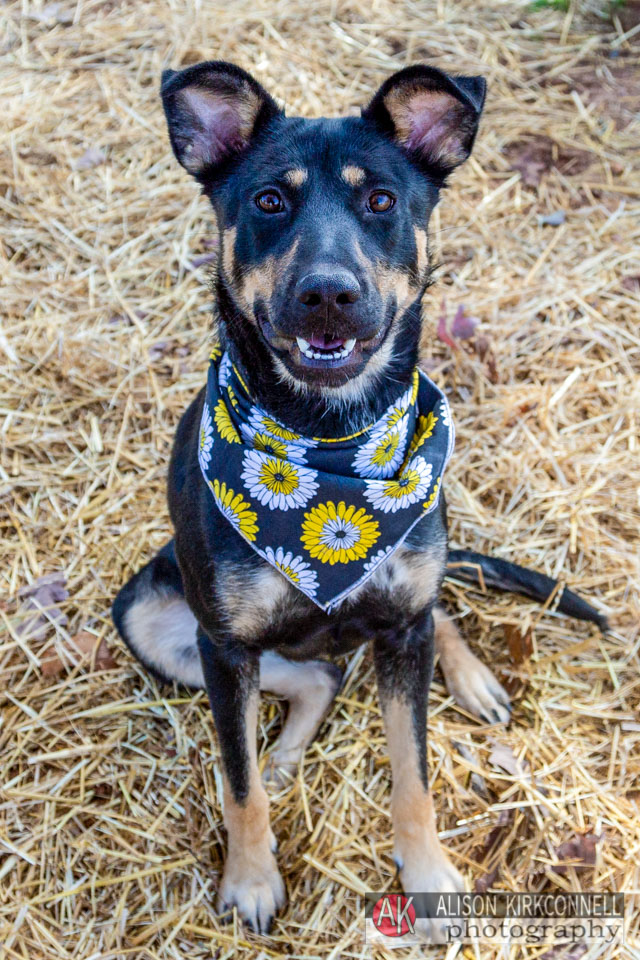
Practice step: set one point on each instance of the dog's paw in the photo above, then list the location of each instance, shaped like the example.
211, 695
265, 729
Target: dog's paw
255, 888
475, 689
432, 877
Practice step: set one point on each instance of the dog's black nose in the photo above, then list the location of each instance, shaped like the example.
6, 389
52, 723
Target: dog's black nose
328, 287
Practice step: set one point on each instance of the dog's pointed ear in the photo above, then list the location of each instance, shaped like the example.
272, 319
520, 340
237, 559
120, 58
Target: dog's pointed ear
213, 111
431, 115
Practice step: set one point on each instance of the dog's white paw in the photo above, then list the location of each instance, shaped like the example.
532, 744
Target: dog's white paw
475, 689
253, 886
432, 877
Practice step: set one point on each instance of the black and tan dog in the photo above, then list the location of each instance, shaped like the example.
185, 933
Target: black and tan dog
323, 263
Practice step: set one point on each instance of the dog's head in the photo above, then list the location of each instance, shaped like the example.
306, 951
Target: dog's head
322, 222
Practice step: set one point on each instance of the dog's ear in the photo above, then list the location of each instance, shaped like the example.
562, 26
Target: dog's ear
433, 116
213, 111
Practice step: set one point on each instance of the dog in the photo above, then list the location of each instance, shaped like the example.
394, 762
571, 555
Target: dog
323, 263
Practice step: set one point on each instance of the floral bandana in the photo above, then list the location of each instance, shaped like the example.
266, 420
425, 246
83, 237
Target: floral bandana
325, 513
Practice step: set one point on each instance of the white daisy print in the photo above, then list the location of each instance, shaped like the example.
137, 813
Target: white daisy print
206, 437
276, 483
295, 569
274, 446
379, 558
382, 455
397, 410
408, 488
263, 423
224, 371
445, 413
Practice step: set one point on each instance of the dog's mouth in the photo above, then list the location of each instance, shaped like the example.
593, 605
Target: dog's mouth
325, 356
326, 348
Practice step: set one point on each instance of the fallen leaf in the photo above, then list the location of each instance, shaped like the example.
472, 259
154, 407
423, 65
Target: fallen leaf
478, 784
534, 157
631, 283
531, 159
463, 327
520, 645
443, 333
203, 260
580, 851
487, 853
81, 647
503, 756
92, 157
42, 597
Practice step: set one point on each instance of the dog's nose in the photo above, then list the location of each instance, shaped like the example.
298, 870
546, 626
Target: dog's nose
328, 288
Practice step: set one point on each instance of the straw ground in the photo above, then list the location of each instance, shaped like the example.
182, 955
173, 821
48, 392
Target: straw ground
110, 838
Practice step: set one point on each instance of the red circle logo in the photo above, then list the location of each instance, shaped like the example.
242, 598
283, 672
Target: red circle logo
394, 915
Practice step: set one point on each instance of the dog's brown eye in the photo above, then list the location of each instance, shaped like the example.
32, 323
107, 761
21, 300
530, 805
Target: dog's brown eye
380, 202
270, 201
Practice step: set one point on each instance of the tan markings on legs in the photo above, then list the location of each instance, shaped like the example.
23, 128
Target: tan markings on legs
310, 688
470, 683
354, 176
424, 866
296, 177
251, 880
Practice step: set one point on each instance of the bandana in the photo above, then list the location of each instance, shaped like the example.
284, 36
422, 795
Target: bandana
324, 512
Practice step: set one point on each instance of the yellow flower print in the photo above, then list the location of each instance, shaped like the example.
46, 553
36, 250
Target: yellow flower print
338, 533
428, 503
424, 428
268, 444
277, 430
382, 455
276, 483
237, 511
224, 423
409, 487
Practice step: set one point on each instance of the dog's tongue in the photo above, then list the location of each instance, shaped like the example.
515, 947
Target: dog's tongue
324, 341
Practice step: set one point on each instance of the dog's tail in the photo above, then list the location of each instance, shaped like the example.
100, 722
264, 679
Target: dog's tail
494, 572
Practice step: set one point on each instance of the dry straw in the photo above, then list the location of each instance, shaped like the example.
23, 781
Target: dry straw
110, 829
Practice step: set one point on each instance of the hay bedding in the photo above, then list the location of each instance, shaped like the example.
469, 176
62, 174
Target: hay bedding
111, 833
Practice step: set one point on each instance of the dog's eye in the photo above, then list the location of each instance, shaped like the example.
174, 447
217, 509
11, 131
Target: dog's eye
270, 201
381, 201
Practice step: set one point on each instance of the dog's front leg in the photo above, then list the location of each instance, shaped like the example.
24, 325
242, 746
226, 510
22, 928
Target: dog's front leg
404, 665
251, 881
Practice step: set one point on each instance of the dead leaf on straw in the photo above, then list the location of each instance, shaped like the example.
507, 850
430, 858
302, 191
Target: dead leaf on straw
80, 647
503, 756
443, 332
579, 852
43, 596
487, 854
520, 644
462, 327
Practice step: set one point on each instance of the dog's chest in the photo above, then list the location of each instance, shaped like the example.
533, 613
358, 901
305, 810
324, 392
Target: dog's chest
261, 603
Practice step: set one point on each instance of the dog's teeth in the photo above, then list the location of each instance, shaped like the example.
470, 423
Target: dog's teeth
303, 344
338, 354
317, 356
349, 345
309, 354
